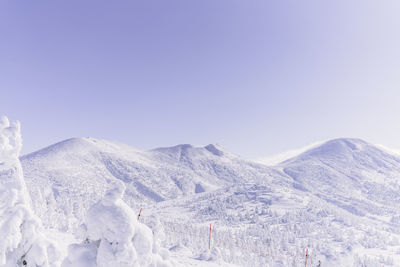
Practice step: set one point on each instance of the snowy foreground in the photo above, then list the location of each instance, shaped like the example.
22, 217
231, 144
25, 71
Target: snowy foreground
77, 202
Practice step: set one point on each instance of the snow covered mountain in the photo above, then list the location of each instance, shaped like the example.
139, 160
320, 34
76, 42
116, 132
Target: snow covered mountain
77, 172
351, 173
338, 199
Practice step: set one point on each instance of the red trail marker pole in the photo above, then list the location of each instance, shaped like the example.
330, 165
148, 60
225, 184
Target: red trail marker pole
306, 257
138, 217
209, 239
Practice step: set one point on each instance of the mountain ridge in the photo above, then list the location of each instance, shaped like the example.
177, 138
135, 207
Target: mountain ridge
343, 185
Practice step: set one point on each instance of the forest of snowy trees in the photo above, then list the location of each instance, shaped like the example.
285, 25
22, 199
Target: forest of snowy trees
111, 234
253, 224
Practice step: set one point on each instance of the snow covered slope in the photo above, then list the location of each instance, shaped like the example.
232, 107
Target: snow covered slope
275, 159
350, 173
338, 199
75, 173
342, 205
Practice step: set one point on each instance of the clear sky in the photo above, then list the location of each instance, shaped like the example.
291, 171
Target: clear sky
258, 77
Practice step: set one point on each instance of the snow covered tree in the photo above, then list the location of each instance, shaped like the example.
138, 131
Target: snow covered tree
22, 242
114, 236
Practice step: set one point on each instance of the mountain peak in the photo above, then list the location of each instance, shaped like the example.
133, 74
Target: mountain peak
340, 147
347, 154
75, 142
215, 149
339, 144
187, 149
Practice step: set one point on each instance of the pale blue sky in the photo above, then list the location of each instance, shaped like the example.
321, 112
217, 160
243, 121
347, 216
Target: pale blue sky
258, 77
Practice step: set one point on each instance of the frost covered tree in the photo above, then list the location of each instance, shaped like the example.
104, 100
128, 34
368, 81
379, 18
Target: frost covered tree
158, 232
114, 237
22, 242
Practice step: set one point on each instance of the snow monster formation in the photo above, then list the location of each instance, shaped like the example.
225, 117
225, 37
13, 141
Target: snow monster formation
22, 242
114, 237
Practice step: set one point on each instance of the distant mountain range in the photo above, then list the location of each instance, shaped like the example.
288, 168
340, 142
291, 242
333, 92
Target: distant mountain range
345, 182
